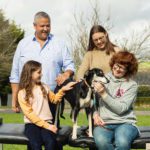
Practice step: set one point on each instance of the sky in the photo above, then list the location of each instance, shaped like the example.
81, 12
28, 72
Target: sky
126, 15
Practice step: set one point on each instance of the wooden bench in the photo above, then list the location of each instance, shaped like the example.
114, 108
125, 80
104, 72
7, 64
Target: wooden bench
84, 141
14, 134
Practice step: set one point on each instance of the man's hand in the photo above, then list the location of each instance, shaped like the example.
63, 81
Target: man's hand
64, 76
61, 78
98, 121
53, 128
15, 106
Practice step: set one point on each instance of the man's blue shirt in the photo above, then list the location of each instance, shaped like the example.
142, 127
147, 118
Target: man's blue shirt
54, 57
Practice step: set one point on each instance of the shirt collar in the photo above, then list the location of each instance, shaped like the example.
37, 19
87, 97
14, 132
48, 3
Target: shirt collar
48, 38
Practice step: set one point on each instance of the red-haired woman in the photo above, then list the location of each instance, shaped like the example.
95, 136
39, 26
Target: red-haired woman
99, 52
115, 123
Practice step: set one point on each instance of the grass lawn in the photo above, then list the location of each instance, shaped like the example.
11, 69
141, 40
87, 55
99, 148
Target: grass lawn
142, 108
144, 66
18, 118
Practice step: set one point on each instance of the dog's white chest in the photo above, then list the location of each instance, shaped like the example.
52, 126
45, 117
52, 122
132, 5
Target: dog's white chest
86, 102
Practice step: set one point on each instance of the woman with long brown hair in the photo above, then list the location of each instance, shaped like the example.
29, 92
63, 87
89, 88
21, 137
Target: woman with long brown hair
33, 98
99, 52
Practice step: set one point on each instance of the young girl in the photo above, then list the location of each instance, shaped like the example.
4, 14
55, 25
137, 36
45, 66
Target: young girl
33, 98
115, 123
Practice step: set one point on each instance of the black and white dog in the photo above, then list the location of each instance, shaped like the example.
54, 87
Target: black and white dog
81, 96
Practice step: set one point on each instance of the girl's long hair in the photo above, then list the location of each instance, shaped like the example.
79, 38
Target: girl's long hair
109, 45
26, 79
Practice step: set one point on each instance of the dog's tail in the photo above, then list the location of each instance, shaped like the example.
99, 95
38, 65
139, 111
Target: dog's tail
62, 106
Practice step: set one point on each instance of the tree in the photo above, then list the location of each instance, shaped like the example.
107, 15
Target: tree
10, 35
83, 21
138, 43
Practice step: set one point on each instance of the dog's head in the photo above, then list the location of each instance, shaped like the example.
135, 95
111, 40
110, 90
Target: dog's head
95, 75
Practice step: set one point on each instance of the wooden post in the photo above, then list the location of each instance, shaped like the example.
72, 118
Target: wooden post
1, 121
1, 146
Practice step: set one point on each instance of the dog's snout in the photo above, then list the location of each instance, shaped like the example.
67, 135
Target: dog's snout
102, 80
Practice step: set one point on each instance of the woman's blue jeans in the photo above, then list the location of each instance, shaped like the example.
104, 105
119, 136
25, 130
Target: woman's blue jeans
115, 136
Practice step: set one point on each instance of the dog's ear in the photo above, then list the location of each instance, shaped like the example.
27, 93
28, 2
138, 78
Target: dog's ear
83, 90
87, 73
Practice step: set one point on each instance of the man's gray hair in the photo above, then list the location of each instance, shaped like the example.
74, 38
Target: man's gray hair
41, 14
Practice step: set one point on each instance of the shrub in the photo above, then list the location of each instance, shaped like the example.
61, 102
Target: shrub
142, 101
144, 91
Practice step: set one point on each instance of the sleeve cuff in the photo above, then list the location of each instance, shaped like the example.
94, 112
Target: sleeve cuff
14, 81
69, 68
61, 92
95, 113
104, 95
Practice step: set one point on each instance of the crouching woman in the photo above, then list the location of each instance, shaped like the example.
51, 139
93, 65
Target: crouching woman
115, 123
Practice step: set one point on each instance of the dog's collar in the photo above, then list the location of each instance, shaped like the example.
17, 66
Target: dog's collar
86, 83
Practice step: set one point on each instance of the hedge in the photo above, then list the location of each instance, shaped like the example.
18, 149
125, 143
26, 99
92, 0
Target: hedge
144, 91
143, 101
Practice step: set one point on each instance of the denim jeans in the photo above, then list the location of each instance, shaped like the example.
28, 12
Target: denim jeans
38, 136
115, 136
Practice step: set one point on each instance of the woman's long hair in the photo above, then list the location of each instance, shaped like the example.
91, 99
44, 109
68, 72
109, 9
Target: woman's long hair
26, 79
109, 45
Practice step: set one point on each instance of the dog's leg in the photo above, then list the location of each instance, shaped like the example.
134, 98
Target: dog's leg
90, 124
73, 120
74, 133
75, 126
57, 115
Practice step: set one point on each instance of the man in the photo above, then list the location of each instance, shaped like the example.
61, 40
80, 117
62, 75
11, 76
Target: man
46, 49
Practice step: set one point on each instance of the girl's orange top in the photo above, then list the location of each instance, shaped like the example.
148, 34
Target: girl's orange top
37, 110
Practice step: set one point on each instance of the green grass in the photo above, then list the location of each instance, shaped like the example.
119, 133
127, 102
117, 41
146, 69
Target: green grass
138, 106
142, 107
144, 66
18, 118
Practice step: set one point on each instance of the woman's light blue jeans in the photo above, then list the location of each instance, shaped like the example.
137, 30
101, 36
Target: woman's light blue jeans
115, 136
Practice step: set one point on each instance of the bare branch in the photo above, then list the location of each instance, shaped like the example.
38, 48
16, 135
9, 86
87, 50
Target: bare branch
79, 34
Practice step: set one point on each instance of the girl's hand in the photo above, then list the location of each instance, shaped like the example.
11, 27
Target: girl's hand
69, 86
53, 128
98, 121
99, 88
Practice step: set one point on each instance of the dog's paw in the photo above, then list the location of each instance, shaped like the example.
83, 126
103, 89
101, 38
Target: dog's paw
90, 135
74, 137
